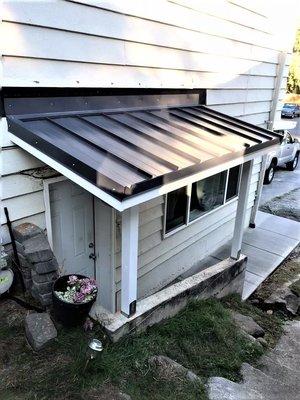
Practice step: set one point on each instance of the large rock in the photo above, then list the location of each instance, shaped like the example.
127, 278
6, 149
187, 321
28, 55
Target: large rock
285, 300
223, 389
39, 330
248, 325
26, 231
37, 249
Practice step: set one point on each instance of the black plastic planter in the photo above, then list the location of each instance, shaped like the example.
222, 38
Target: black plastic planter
69, 314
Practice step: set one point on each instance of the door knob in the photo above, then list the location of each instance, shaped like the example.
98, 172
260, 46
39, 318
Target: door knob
91, 245
92, 256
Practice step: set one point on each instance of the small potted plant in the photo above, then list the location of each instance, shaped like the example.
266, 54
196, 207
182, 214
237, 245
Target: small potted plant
73, 297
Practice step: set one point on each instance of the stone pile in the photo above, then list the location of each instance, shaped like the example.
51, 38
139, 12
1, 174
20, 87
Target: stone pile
38, 264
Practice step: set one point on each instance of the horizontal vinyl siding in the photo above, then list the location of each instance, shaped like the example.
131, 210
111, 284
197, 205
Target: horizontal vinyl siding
136, 44
154, 252
21, 193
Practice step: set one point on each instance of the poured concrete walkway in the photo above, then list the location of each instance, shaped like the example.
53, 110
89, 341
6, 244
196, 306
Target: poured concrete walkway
266, 247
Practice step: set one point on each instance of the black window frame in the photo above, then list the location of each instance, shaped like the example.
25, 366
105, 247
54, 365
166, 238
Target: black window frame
188, 188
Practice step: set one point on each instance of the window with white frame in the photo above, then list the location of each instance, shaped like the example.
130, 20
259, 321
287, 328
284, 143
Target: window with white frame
189, 203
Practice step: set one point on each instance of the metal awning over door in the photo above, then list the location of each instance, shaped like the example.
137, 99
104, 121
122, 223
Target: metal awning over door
126, 152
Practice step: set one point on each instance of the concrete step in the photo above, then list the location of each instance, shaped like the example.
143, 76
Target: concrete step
292, 330
268, 387
284, 375
224, 389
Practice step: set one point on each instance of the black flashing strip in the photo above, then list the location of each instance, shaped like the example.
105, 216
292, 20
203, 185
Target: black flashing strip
47, 100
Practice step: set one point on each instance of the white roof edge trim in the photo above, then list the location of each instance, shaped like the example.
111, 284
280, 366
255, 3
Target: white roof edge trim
140, 198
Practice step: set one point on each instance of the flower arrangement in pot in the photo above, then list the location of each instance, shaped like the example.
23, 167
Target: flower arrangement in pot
73, 297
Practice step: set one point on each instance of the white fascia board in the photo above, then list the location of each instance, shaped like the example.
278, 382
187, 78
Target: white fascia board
143, 197
101, 194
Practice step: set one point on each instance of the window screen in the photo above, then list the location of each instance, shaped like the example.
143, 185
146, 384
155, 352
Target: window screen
233, 182
176, 209
207, 194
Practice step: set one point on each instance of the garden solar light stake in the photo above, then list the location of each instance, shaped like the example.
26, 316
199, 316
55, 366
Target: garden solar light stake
94, 348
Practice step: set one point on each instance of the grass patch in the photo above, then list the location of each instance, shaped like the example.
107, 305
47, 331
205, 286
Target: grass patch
202, 337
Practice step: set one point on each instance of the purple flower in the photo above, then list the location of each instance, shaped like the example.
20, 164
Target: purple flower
79, 297
72, 280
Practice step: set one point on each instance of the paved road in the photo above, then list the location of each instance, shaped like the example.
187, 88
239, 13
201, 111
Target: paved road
284, 180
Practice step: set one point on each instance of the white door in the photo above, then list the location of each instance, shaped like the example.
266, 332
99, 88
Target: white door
72, 218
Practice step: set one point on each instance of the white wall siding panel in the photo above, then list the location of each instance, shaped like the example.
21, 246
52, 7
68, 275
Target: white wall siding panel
242, 109
256, 119
223, 96
176, 15
110, 51
23, 206
19, 184
14, 160
124, 27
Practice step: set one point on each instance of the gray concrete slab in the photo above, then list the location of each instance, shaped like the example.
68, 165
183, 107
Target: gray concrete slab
249, 288
276, 224
260, 262
270, 241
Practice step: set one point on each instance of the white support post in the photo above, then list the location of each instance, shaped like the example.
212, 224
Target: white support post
258, 191
239, 225
130, 226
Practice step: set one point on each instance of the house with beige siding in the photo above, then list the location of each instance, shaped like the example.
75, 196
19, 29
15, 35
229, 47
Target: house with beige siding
134, 132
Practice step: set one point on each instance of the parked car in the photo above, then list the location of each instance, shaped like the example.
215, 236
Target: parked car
290, 110
287, 154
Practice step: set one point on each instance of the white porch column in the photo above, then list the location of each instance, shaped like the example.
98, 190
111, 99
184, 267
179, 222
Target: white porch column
130, 226
239, 225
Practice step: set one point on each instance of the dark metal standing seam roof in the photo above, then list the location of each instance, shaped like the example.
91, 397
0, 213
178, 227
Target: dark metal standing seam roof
128, 151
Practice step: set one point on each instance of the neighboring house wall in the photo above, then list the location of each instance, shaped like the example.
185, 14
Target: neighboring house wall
162, 260
167, 44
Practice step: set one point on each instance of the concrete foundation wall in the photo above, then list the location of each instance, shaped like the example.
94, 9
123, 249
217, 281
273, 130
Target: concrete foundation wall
223, 278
